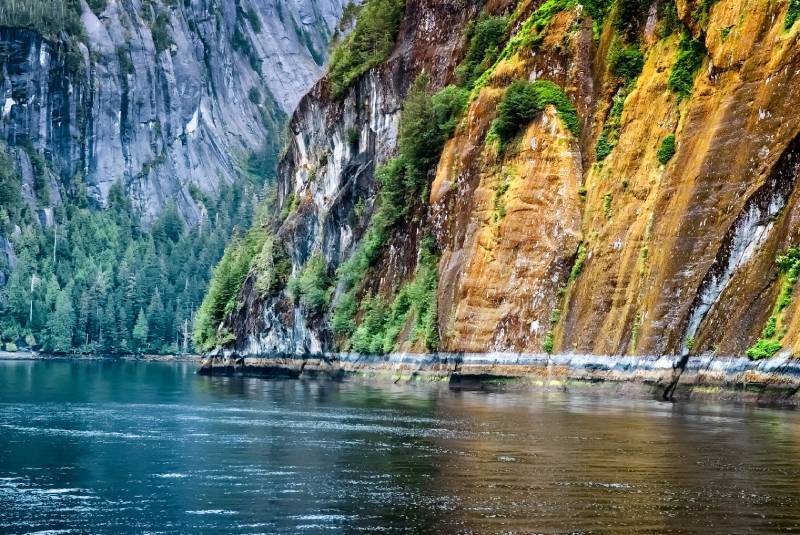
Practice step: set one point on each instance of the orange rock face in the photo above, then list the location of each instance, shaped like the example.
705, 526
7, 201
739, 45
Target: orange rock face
679, 257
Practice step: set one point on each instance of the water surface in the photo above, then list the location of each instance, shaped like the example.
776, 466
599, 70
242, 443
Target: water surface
101, 447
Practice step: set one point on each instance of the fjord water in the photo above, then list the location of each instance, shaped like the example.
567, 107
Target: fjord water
110, 447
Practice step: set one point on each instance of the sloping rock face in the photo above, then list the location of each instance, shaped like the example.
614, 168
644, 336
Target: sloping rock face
162, 95
545, 246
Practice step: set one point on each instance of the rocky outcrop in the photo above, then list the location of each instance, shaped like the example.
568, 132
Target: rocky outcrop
545, 246
162, 96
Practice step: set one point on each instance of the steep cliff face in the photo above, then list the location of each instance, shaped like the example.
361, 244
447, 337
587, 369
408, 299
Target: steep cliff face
651, 224
161, 96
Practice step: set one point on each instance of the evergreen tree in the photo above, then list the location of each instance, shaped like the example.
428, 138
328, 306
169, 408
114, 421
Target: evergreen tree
60, 323
140, 332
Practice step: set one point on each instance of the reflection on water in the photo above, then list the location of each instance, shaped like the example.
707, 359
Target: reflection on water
152, 447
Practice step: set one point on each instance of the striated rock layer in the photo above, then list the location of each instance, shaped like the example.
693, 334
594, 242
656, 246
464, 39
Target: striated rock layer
162, 94
622, 256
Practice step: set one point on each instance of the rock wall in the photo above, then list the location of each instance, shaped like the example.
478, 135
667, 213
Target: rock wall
162, 95
614, 256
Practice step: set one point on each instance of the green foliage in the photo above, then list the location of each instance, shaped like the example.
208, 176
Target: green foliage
51, 18
40, 174
485, 37
353, 137
161, 32
548, 343
668, 20
691, 55
607, 200
98, 6
312, 287
577, 266
414, 305
254, 95
763, 349
524, 100
527, 36
448, 104
689, 343
141, 331
106, 268
667, 149
701, 12
272, 267
424, 125
10, 188
223, 289
61, 323
792, 14
789, 266
499, 211
611, 129
626, 61
369, 44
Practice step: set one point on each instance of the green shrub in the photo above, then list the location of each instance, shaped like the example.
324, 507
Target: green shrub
548, 343
485, 38
691, 55
369, 44
667, 150
224, 287
448, 104
611, 128
668, 20
10, 188
160, 30
98, 6
607, 199
312, 287
420, 139
792, 14
524, 100
763, 349
789, 266
254, 95
626, 62
577, 266
416, 301
353, 137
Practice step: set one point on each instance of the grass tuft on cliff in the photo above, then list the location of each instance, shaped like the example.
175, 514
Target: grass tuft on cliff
523, 101
370, 43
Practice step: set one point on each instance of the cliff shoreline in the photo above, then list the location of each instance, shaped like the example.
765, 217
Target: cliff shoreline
705, 378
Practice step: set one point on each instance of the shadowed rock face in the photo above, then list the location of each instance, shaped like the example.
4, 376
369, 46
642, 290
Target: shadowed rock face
160, 114
674, 258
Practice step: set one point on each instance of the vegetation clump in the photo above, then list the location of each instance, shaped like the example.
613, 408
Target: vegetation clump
667, 150
691, 54
425, 123
485, 37
369, 44
223, 289
792, 14
525, 100
51, 18
770, 342
312, 287
413, 306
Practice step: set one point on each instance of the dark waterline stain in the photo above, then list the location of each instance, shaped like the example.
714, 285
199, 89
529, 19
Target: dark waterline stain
151, 447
